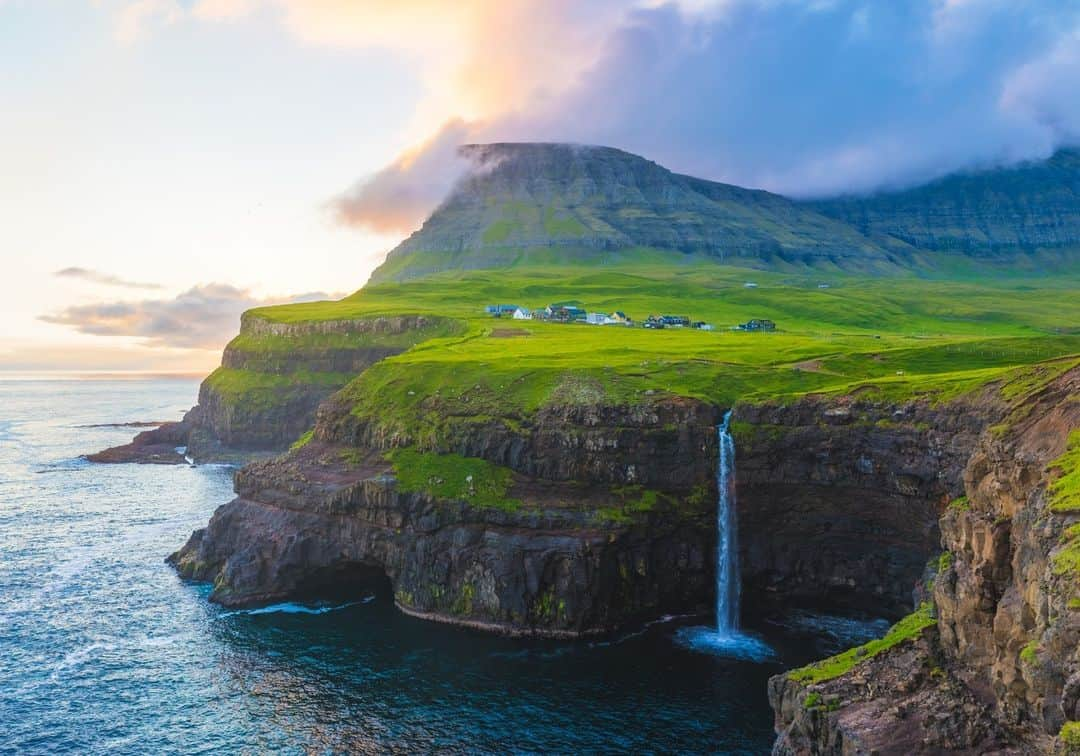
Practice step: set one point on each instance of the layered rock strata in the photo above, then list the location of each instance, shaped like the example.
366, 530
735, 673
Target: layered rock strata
603, 525
999, 672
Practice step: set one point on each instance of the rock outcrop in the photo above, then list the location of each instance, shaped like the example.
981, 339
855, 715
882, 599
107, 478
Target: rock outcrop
999, 672
164, 445
602, 525
272, 379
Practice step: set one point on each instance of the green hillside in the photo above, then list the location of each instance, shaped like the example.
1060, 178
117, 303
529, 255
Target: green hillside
544, 204
534, 205
538, 224
891, 338
1033, 207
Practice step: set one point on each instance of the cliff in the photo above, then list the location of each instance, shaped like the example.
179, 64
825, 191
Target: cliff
995, 664
272, 378
585, 522
840, 497
839, 505
986, 214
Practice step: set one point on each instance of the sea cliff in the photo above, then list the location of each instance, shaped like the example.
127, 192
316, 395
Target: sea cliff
995, 666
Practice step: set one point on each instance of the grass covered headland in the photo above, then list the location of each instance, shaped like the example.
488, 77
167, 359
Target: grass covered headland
891, 338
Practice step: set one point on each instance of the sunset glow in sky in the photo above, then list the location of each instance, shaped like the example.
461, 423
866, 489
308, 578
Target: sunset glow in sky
169, 163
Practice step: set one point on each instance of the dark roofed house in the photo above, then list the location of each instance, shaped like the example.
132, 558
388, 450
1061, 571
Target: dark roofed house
758, 324
497, 311
676, 321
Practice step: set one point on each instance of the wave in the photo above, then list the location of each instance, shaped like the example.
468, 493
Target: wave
80, 656
290, 607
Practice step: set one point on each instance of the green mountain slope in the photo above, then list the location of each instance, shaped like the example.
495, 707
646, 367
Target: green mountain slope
557, 204
989, 213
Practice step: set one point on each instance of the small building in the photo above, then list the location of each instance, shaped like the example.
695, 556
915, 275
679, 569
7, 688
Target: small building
596, 318
653, 322
675, 321
523, 313
564, 313
498, 311
701, 325
619, 318
823, 286
758, 324
749, 285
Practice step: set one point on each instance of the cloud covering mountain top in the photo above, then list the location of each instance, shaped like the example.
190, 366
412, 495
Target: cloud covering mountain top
802, 98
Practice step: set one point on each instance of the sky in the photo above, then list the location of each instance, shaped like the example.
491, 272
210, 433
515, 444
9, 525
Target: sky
166, 164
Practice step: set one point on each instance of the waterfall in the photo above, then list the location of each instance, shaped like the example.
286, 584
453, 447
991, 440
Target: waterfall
727, 542
725, 639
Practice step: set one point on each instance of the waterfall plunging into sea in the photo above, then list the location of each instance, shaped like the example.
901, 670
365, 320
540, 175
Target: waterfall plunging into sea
727, 531
725, 639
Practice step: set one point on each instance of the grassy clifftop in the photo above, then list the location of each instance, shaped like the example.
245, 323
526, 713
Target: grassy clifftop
893, 338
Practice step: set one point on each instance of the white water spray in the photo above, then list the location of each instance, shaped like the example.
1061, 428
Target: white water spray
727, 543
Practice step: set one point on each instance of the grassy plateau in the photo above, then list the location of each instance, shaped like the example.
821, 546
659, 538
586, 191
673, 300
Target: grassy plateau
892, 338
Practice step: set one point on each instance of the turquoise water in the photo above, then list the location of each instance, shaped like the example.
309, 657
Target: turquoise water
103, 649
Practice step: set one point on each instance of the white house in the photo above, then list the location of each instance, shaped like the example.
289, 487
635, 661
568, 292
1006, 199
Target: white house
522, 313
596, 318
749, 285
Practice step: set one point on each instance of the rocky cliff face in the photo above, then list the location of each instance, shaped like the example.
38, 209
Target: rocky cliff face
983, 213
1000, 670
839, 499
839, 502
602, 526
272, 379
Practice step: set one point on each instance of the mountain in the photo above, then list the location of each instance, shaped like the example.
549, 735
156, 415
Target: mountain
569, 203
1033, 205
558, 203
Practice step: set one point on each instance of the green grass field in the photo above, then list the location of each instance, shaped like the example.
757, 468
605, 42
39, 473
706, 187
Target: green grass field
894, 337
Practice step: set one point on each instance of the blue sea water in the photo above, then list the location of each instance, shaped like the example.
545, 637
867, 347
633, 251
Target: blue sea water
104, 650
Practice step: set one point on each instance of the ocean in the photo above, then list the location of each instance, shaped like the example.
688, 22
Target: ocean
104, 650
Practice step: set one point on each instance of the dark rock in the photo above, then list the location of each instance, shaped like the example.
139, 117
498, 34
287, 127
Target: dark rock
1000, 672
305, 520
157, 446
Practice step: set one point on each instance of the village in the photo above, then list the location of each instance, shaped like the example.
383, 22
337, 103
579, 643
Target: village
568, 313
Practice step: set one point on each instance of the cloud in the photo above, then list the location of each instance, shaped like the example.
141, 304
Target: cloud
96, 276
1043, 92
219, 10
203, 317
398, 197
135, 20
804, 97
